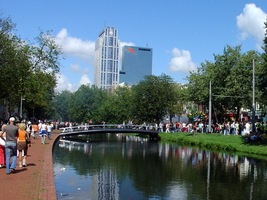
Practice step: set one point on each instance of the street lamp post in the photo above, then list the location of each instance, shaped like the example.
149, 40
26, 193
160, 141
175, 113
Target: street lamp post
210, 110
20, 111
253, 99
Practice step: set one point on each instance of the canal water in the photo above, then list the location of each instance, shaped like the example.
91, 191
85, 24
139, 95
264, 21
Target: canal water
117, 166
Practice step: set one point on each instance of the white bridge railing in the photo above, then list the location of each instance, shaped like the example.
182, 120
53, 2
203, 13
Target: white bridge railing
108, 126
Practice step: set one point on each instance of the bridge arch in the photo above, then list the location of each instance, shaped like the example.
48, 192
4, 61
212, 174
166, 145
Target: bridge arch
153, 135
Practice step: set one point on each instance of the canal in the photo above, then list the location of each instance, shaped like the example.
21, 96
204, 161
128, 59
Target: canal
121, 166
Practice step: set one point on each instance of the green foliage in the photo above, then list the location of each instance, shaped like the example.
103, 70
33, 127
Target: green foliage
84, 103
198, 87
218, 142
96, 105
28, 71
261, 78
14, 64
153, 98
148, 101
116, 107
230, 76
62, 105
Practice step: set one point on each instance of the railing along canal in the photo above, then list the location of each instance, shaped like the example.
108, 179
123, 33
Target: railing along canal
150, 130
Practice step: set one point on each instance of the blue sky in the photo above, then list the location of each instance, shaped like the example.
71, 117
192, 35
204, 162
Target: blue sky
183, 34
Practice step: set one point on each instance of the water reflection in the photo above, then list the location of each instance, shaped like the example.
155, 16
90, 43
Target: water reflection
118, 166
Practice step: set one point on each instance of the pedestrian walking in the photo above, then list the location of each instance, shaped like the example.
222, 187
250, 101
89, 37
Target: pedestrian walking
49, 130
34, 130
2, 148
167, 127
29, 128
23, 141
11, 131
43, 132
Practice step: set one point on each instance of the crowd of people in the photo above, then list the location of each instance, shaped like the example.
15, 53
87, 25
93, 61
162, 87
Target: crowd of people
227, 128
15, 139
244, 128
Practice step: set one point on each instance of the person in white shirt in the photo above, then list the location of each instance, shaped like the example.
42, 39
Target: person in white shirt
49, 130
39, 127
167, 127
247, 128
43, 132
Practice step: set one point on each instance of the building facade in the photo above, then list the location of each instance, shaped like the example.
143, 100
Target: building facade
107, 59
136, 64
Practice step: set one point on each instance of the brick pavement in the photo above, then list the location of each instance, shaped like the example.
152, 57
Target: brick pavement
36, 181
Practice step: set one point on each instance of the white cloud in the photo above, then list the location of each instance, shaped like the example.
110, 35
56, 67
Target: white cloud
126, 44
85, 80
63, 84
76, 68
251, 23
75, 46
181, 61
81, 49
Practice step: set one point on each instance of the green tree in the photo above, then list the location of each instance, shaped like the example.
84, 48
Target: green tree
85, 102
262, 80
14, 64
182, 100
230, 76
153, 98
116, 107
62, 101
197, 86
27, 72
42, 80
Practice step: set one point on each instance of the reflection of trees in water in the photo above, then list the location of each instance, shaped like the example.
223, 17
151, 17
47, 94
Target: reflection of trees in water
232, 174
227, 162
154, 166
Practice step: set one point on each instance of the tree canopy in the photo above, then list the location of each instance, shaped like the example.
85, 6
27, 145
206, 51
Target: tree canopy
28, 72
149, 101
231, 78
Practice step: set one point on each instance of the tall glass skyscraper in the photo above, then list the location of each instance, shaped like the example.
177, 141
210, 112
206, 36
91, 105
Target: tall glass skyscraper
107, 59
136, 64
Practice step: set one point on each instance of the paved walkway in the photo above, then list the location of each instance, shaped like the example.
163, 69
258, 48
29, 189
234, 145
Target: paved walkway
36, 181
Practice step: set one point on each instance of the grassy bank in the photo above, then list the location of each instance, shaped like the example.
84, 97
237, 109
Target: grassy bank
218, 142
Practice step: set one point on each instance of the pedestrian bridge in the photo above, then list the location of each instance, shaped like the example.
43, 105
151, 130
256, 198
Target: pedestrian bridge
111, 128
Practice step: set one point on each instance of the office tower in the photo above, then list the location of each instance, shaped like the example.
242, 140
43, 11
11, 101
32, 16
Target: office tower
136, 64
107, 59
105, 185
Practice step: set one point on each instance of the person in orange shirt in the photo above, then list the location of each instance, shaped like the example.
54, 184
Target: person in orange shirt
22, 145
34, 130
